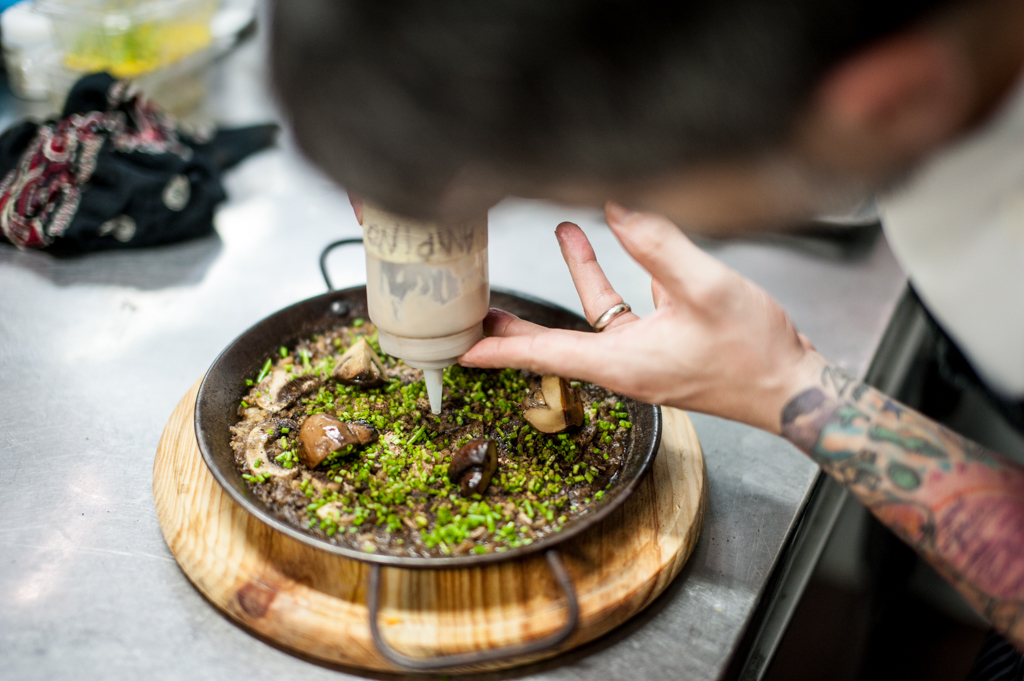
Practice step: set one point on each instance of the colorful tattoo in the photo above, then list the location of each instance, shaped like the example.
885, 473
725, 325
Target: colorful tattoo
958, 504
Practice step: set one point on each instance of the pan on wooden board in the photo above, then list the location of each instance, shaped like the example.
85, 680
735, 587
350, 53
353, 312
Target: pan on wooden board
216, 412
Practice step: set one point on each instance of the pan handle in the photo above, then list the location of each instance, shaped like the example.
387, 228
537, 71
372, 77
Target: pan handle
478, 657
327, 251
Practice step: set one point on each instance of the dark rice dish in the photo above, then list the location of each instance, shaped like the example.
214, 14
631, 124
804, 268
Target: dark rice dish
338, 439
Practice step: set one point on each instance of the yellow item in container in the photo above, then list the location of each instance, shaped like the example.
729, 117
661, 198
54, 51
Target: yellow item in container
128, 38
138, 50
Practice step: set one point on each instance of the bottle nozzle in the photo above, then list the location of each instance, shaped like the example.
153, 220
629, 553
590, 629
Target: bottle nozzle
434, 380
431, 355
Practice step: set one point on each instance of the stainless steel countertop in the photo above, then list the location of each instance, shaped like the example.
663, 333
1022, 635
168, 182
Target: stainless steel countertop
95, 352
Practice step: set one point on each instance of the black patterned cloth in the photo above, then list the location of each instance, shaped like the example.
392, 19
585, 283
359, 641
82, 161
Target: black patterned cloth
997, 661
114, 171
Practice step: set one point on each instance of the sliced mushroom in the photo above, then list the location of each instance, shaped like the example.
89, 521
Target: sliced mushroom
554, 406
318, 484
363, 431
277, 392
256, 455
334, 511
297, 387
270, 388
361, 366
322, 435
473, 466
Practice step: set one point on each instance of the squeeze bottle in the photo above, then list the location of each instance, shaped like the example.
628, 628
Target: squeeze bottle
426, 289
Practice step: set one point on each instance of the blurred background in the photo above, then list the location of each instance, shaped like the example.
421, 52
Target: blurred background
165, 46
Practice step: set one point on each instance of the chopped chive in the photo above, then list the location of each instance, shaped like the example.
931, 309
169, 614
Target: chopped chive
264, 371
417, 434
399, 485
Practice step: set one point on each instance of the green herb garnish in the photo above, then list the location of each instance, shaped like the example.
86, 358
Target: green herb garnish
264, 371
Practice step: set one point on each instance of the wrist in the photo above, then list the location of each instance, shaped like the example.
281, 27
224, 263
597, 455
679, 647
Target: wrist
801, 375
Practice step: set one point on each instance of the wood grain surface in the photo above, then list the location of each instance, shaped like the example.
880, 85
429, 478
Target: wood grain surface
314, 602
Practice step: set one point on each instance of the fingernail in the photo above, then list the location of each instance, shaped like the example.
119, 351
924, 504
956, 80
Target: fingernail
617, 213
558, 229
468, 365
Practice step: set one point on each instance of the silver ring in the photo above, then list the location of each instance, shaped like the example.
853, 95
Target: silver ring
610, 315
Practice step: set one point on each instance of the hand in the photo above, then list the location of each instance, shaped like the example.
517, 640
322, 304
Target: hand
357, 207
716, 343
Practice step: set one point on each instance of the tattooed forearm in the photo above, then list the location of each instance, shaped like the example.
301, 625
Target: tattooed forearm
958, 504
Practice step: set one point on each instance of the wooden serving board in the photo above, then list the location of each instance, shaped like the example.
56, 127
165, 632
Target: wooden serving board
314, 602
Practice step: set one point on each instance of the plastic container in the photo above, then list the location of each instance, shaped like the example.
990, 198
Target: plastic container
427, 289
128, 38
28, 44
166, 48
177, 88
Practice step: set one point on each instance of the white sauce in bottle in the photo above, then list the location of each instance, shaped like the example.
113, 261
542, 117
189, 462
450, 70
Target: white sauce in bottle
427, 289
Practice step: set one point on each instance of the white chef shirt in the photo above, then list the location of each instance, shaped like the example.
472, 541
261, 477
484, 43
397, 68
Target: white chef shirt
957, 229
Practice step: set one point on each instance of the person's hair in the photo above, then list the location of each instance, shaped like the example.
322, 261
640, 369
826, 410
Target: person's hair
393, 98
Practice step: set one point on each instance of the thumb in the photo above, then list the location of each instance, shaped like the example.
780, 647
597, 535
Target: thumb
552, 351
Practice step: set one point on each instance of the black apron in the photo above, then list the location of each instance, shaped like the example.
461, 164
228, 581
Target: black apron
998, 659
